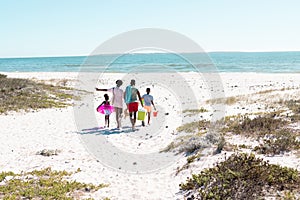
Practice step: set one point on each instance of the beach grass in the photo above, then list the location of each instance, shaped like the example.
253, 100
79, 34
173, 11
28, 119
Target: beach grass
198, 138
226, 101
189, 161
23, 94
191, 112
279, 142
272, 130
293, 105
256, 127
193, 141
243, 176
43, 184
193, 126
276, 90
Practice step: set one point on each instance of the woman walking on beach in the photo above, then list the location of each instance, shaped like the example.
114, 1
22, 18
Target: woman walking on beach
117, 100
148, 100
130, 96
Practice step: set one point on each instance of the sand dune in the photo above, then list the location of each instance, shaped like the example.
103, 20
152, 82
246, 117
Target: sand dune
131, 162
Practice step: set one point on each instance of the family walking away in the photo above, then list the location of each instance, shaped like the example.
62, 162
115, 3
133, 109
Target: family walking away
132, 98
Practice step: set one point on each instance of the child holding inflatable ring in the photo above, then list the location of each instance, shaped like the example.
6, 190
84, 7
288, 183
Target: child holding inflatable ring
106, 109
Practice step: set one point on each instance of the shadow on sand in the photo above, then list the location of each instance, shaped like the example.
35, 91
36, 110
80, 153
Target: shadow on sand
105, 131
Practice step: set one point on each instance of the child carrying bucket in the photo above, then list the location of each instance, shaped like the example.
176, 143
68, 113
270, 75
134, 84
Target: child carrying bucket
148, 100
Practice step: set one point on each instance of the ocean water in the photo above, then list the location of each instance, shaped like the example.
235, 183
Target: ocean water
263, 62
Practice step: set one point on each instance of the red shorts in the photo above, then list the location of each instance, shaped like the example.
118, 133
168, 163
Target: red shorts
133, 107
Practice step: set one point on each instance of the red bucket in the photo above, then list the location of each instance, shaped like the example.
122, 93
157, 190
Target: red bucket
154, 113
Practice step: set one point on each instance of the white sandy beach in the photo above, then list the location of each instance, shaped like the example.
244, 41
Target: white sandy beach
24, 134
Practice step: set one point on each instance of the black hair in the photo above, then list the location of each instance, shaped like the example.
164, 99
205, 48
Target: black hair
148, 90
119, 81
106, 97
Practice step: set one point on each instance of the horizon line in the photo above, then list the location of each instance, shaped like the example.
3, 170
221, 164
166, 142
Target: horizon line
60, 56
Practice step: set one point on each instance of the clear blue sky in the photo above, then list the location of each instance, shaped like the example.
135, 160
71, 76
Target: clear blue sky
64, 27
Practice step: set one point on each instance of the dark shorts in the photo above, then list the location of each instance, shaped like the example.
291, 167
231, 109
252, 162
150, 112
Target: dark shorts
133, 107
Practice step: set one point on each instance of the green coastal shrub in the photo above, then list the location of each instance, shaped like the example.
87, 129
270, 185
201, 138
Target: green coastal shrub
293, 105
3, 76
241, 176
23, 94
227, 100
259, 126
197, 137
42, 184
278, 143
194, 126
192, 112
276, 137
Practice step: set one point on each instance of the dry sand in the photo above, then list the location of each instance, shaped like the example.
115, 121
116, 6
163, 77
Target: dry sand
24, 134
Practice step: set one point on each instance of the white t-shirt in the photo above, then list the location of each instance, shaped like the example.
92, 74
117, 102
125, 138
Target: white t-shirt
117, 99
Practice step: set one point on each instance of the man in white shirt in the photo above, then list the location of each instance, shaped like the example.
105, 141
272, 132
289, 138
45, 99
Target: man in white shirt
117, 100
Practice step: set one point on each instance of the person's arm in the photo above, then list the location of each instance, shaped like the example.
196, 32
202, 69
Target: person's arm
102, 103
139, 95
97, 89
153, 105
124, 96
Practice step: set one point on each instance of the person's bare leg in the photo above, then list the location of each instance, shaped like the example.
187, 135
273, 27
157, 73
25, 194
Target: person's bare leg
107, 118
118, 117
134, 119
149, 118
131, 120
105, 121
